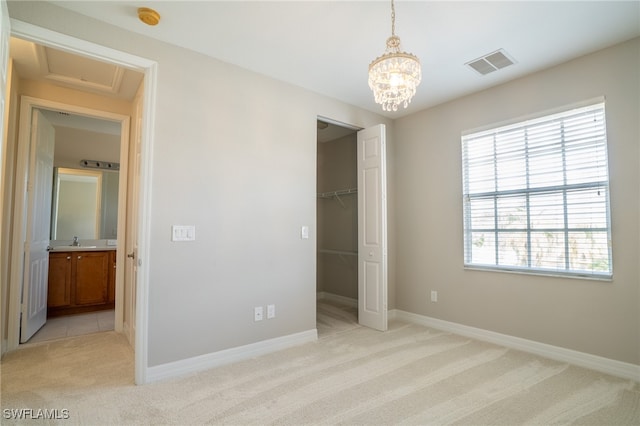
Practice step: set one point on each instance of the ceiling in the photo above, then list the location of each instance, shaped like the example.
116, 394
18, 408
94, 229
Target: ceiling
326, 46
36, 62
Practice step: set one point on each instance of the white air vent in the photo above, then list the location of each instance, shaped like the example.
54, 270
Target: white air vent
491, 62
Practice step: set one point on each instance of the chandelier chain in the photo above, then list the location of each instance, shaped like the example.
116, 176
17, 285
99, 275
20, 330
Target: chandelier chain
393, 19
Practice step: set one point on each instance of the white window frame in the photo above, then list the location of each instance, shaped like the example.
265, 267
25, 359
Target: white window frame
474, 177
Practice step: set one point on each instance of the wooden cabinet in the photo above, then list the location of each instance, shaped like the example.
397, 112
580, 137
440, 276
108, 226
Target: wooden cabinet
111, 290
80, 281
91, 277
59, 291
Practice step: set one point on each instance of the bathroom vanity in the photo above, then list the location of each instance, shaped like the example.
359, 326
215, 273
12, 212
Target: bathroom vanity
81, 279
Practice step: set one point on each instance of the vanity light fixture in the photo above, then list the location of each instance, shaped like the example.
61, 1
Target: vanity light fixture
94, 164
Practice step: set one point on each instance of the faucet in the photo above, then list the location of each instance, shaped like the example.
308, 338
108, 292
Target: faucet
75, 242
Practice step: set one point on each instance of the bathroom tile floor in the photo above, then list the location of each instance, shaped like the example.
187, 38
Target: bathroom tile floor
75, 325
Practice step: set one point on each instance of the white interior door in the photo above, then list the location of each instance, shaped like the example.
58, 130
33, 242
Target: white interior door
131, 240
372, 228
36, 255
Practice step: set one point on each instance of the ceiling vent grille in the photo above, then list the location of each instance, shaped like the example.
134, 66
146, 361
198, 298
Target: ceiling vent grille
491, 62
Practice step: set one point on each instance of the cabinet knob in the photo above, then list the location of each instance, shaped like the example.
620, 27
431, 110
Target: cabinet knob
68, 257
79, 257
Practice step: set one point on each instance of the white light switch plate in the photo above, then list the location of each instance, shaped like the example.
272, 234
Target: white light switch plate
183, 233
304, 232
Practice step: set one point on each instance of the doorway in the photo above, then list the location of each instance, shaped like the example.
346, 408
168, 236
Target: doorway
30, 286
144, 113
352, 254
337, 228
85, 202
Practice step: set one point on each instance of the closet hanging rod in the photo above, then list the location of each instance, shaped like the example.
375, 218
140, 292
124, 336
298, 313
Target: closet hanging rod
332, 194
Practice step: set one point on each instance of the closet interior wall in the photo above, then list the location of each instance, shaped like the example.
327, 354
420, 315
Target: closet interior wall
337, 218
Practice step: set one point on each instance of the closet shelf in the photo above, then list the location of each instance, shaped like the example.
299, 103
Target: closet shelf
336, 195
339, 252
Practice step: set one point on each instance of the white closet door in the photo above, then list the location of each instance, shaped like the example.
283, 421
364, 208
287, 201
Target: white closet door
372, 228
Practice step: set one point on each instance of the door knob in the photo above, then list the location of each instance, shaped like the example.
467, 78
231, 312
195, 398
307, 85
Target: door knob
132, 255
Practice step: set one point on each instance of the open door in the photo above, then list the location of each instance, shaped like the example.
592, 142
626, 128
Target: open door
372, 228
36, 255
131, 236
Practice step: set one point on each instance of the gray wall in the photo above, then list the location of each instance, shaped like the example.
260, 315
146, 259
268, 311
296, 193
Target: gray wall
596, 317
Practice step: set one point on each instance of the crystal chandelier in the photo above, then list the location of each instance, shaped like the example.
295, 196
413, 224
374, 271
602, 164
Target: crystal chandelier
394, 76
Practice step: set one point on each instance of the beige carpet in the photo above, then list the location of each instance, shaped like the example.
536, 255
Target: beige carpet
351, 375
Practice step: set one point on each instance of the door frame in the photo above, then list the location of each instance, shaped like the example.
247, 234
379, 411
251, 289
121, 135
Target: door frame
149, 67
27, 105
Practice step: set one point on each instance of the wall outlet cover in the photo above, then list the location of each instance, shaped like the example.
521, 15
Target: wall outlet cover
258, 313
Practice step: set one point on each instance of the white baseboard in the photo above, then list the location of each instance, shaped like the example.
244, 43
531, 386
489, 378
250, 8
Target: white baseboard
337, 298
227, 356
593, 362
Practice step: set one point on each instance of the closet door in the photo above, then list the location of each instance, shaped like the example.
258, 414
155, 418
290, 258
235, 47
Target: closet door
372, 228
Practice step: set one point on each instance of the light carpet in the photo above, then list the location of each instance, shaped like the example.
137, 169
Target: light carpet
409, 375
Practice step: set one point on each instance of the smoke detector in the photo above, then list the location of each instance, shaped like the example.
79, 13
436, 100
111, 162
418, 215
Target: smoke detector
148, 16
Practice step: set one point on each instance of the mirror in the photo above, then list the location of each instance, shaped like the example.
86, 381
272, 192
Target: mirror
85, 204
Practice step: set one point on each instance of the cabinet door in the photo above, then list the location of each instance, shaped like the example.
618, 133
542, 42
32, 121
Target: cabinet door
112, 277
91, 277
59, 291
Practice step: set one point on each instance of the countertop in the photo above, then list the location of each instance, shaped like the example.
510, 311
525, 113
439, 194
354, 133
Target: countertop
82, 248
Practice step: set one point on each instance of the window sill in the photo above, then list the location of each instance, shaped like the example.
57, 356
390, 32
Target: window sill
551, 274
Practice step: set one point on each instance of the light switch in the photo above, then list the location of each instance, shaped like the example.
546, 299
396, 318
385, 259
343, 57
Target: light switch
304, 232
183, 233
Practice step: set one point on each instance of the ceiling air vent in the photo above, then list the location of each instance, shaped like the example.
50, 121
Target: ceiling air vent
491, 62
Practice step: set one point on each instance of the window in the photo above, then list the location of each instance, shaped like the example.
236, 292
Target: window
536, 195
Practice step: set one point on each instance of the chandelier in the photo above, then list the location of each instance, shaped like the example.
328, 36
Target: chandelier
394, 76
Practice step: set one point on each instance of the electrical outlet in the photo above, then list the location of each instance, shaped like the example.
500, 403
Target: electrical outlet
271, 311
258, 313
434, 296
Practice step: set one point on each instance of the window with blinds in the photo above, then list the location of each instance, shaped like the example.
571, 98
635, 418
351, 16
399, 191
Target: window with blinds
536, 195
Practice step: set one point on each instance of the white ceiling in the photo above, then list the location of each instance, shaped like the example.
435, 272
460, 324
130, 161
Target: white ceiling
37, 62
326, 46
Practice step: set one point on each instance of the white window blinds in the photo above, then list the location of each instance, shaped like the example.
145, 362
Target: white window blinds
536, 195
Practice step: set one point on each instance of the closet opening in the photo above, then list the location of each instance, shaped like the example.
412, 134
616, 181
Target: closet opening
337, 228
